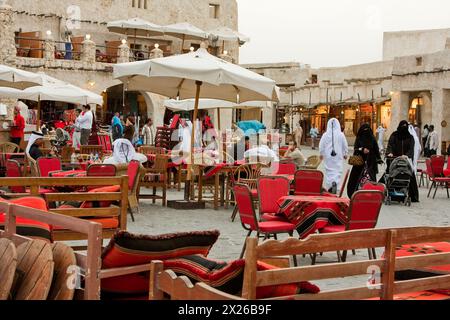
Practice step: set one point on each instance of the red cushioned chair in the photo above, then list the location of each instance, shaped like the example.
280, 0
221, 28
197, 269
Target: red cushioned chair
271, 189
435, 170
374, 186
102, 170
14, 170
363, 213
249, 220
46, 166
105, 141
308, 182
286, 168
447, 170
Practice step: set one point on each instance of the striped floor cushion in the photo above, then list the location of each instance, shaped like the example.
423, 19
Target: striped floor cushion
228, 277
126, 249
26, 227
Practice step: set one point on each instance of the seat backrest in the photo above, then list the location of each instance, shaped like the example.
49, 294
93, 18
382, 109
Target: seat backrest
66, 153
101, 170
364, 210
9, 147
437, 165
313, 162
249, 174
161, 162
270, 190
104, 140
91, 149
308, 182
374, 186
14, 170
47, 165
133, 172
285, 168
429, 168
246, 209
151, 150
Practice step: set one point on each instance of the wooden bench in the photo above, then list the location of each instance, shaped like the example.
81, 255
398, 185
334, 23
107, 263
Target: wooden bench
166, 282
118, 211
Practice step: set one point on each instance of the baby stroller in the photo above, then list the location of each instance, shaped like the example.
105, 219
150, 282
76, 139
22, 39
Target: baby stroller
398, 181
61, 140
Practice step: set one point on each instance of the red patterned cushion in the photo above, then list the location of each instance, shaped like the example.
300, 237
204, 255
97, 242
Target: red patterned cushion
26, 227
100, 204
228, 277
126, 250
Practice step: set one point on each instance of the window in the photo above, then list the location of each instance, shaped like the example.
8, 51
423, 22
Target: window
133, 3
140, 4
419, 61
214, 11
314, 79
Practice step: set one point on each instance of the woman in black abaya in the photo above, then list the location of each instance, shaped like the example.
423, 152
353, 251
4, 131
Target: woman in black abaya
366, 146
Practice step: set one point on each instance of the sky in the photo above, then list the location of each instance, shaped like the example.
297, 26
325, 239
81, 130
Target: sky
330, 33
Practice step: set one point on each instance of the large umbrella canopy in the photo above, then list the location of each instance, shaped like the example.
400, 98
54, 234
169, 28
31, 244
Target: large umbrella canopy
185, 31
227, 34
53, 90
177, 76
17, 78
207, 104
135, 27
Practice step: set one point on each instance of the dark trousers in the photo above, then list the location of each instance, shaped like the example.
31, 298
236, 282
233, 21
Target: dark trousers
85, 134
16, 141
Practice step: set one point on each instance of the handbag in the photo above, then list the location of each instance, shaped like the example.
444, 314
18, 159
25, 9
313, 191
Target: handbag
356, 161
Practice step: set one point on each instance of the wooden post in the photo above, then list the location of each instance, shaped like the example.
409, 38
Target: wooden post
155, 294
38, 118
251, 261
93, 263
388, 277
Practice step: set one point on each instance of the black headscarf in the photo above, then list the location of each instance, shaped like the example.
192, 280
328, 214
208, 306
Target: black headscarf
365, 136
403, 131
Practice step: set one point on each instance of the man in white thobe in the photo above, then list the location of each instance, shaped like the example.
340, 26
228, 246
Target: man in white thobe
333, 150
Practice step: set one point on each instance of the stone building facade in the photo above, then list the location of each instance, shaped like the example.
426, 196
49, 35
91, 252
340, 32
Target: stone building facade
413, 82
57, 20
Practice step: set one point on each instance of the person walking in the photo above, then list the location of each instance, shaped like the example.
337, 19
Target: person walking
298, 134
116, 127
425, 134
417, 146
86, 119
333, 150
366, 147
432, 142
76, 137
148, 133
381, 132
314, 133
17, 130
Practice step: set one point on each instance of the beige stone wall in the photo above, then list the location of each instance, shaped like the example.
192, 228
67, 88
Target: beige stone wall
405, 43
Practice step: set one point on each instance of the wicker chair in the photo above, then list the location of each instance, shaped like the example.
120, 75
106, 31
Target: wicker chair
312, 163
9, 147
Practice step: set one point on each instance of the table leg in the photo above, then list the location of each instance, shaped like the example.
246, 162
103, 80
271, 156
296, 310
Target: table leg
222, 190
216, 191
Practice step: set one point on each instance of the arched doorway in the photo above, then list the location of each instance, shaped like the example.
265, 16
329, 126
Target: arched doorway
136, 103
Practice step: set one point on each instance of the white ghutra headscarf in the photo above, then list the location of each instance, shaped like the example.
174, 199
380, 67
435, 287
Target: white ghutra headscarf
34, 136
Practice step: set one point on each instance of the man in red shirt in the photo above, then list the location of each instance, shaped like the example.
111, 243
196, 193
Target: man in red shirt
17, 130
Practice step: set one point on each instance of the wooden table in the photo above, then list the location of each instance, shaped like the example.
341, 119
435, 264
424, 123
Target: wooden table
312, 213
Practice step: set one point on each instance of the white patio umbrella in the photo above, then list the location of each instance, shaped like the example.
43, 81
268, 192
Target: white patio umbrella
226, 34
53, 90
17, 78
136, 27
196, 75
185, 31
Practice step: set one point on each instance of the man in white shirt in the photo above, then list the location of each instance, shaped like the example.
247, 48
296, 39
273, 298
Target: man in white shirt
433, 142
76, 138
85, 120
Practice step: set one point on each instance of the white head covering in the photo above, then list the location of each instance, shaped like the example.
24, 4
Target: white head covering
124, 151
417, 146
34, 136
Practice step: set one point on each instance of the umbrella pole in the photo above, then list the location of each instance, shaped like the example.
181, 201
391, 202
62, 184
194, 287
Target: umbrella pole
182, 44
38, 118
187, 189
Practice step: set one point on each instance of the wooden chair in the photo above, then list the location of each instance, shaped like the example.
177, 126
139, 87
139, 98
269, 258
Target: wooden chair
66, 153
88, 150
8, 264
34, 271
201, 183
151, 150
312, 163
9, 147
46, 166
155, 178
271, 189
32, 165
134, 172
